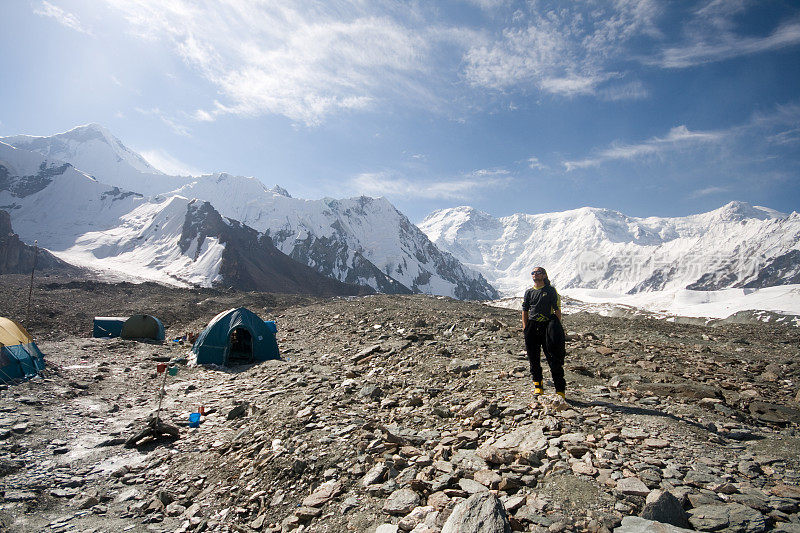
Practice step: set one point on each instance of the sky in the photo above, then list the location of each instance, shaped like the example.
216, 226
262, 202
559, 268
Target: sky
650, 108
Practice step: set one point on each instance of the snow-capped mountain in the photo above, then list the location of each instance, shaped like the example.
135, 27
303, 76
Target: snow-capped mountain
95, 151
362, 241
53, 202
737, 245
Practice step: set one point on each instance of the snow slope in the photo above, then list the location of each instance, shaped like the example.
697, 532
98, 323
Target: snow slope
95, 151
356, 240
737, 245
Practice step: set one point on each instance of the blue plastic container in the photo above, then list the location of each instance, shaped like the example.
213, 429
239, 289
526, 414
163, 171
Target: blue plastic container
194, 420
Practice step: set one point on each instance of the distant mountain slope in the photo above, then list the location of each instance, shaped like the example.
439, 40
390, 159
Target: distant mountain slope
16, 257
738, 245
52, 202
250, 260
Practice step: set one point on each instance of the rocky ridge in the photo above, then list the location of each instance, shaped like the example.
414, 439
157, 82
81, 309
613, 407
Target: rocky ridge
16, 257
401, 413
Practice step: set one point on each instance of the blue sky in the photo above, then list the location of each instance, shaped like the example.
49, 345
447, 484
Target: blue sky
646, 107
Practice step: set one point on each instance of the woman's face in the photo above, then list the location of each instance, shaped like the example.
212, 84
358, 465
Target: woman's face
538, 274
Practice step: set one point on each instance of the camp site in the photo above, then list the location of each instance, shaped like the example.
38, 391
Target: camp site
271, 412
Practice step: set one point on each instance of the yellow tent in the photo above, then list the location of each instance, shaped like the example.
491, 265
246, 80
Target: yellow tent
20, 358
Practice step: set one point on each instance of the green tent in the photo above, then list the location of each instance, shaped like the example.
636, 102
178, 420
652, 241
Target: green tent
236, 337
132, 327
142, 327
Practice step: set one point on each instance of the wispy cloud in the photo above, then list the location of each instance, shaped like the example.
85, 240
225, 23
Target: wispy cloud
678, 137
304, 61
634, 90
46, 9
386, 184
708, 191
719, 30
535, 164
719, 47
169, 164
171, 122
566, 49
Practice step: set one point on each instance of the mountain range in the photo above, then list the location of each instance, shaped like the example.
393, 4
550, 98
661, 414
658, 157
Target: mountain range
97, 204
737, 245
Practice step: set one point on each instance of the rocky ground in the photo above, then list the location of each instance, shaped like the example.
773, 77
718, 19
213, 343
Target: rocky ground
396, 413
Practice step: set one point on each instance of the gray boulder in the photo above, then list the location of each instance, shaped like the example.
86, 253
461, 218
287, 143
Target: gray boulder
666, 509
733, 517
635, 524
480, 513
401, 502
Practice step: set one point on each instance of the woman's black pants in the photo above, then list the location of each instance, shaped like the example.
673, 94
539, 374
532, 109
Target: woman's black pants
535, 340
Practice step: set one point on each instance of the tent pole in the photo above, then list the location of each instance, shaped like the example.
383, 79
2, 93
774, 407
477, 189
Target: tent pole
30, 291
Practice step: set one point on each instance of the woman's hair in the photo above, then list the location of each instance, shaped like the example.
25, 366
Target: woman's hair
546, 279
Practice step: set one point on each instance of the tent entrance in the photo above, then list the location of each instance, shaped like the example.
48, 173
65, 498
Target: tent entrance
240, 347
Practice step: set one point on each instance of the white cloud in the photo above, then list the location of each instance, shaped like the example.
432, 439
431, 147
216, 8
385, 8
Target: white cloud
171, 122
721, 30
534, 163
489, 5
634, 90
678, 137
46, 9
708, 191
385, 184
567, 50
169, 164
728, 45
305, 61
203, 116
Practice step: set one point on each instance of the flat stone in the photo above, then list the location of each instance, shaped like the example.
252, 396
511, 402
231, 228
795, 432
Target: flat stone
634, 433
701, 479
732, 516
482, 512
307, 513
786, 491
323, 494
19, 496
774, 413
583, 468
458, 366
376, 474
438, 500
401, 502
514, 502
489, 478
632, 486
416, 517
471, 486
635, 524
526, 442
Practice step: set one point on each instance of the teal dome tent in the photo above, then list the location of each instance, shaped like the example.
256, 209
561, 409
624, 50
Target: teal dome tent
236, 337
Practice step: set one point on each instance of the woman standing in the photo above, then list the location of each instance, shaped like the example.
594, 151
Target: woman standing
541, 322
